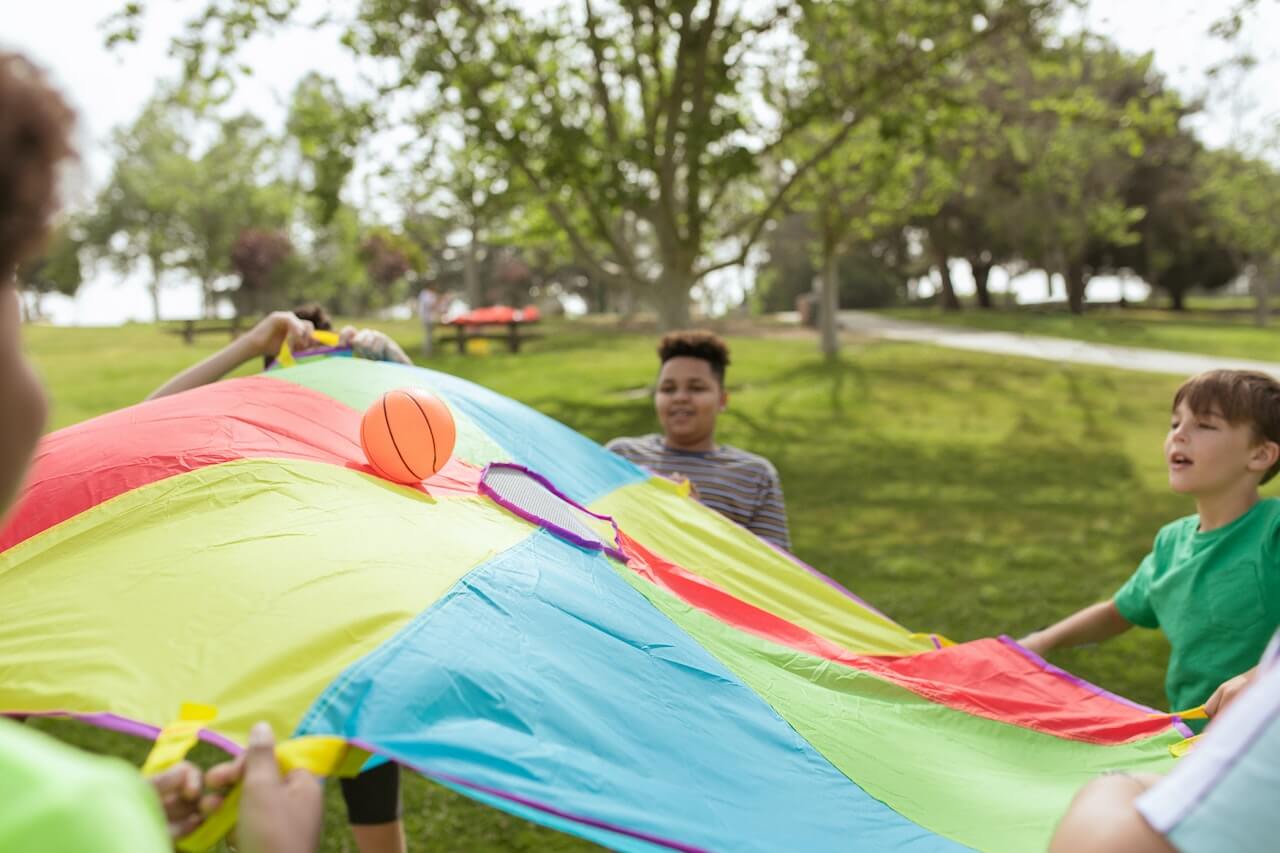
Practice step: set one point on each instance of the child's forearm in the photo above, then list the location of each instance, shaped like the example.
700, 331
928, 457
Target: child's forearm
1093, 624
211, 369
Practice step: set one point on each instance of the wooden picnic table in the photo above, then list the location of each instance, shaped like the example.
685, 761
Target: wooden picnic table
511, 332
190, 328
478, 322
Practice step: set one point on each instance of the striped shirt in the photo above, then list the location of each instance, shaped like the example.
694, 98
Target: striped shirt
739, 485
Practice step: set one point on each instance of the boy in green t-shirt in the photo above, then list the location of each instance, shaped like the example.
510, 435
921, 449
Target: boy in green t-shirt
1212, 580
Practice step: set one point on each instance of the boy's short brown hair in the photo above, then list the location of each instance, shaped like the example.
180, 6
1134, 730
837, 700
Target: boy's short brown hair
696, 343
1241, 397
35, 140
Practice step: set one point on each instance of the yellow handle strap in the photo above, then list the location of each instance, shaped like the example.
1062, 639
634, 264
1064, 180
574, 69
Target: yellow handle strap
285, 357
322, 755
683, 488
929, 638
176, 739
1181, 748
1197, 713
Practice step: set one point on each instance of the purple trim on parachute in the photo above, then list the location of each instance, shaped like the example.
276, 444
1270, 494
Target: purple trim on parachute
273, 362
126, 726
533, 804
1182, 728
614, 550
136, 728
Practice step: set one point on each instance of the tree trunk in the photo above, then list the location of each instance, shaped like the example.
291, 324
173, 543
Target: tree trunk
942, 258
1261, 290
1076, 284
950, 302
157, 274
471, 272
673, 301
1177, 300
829, 305
601, 290
155, 299
206, 289
981, 276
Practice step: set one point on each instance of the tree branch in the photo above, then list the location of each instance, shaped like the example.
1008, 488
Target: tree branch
602, 90
696, 135
907, 64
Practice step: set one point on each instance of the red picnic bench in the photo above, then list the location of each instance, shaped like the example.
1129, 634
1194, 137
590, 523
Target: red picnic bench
476, 324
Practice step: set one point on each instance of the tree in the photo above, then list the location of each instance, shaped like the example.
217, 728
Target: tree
389, 261
640, 122
1080, 135
229, 188
56, 269
177, 208
879, 179
135, 216
257, 256
1241, 197
983, 169
470, 188
327, 128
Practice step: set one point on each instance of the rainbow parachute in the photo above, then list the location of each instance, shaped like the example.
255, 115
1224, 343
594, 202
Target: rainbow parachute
542, 626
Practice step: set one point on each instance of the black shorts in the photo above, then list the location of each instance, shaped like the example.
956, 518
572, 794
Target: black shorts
373, 797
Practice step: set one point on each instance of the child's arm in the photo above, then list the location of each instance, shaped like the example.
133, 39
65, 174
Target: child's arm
263, 339
1227, 692
372, 344
1093, 624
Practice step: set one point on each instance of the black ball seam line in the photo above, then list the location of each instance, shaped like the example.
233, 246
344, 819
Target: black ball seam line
435, 453
392, 433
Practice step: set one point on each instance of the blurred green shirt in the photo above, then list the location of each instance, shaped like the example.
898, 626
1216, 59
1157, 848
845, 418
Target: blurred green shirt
1215, 595
56, 798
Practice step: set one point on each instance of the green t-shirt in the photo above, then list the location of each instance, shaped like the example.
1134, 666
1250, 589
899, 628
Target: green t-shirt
58, 799
1215, 595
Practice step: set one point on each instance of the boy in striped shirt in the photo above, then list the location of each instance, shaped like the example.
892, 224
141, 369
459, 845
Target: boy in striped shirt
689, 396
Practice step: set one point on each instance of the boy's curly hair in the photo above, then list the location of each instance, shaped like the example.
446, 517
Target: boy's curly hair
1241, 397
696, 343
36, 128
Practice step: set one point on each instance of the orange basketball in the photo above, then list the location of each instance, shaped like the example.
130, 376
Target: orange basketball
408, 435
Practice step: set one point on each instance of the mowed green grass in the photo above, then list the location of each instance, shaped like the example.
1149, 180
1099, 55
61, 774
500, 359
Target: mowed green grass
1208, 330
960, 493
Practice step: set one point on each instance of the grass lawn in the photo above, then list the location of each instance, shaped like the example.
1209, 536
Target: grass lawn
1212, 332
960, 493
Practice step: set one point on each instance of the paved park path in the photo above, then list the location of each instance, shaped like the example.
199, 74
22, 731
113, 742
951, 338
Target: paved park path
1048, 349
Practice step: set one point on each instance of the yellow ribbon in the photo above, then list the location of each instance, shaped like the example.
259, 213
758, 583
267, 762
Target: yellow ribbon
285, 357
176, 739
929, 638
1196, 713
1182, 747
322, 755
683, 487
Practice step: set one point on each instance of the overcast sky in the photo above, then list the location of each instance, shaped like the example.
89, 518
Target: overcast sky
110, 87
